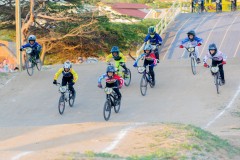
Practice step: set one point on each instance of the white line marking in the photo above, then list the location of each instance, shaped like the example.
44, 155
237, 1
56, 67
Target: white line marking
120, 136
21, 155
9, 80
224, 110
204, 43
227, 31
237, 49
175, 37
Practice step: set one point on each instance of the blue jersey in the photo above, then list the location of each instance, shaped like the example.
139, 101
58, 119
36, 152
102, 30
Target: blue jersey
153, 40
196, 39
36, 47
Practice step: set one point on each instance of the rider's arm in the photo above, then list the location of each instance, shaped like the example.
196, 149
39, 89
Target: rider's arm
206, 57
147, 38
199, 40
102, 77
224, 56
123, 57
152, 55
58, 73
120, 79
141, 56
159, 39
75, 75
38, 46
25, 46
108, 58
184, 41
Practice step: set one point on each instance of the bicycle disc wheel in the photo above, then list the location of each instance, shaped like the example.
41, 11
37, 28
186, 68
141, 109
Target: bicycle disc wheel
39, 65
127, 78
107, 110
193, 66
143, 85
29, 67
61, 104
71, 99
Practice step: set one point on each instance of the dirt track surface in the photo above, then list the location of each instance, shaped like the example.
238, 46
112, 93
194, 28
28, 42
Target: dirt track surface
30, 123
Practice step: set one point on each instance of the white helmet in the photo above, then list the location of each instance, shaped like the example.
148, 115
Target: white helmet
67, 65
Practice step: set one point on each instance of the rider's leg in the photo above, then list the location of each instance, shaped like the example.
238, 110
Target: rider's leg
118, 93
117, 65
64, 81
221, 71
152, 73
70, 86
197, 54
123, 64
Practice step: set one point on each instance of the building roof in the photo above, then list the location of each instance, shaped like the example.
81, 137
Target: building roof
129, 6
130, 9
131, 12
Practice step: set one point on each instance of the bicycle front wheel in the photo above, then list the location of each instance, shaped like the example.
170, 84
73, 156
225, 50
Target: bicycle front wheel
217, 82
61, 104
127, 77
143, 85
107, 110
193, 65
29, 67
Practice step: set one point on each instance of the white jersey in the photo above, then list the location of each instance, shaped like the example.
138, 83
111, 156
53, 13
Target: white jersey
219, 56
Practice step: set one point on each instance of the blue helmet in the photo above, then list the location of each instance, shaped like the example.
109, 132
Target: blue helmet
192, 32
32, 38
212, 47
110, 68
115, 49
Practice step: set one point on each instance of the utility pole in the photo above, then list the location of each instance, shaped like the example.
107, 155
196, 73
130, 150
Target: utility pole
18, 33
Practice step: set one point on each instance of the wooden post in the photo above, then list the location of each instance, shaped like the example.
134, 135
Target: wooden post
18, 33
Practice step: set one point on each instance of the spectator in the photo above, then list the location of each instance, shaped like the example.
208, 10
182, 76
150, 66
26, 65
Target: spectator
218, 6
233, 5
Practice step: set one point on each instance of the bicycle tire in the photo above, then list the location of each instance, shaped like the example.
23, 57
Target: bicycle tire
107, 110
61, 104
143, 85
117, 104
150, 80
193, 65
39, 65
127, 80
71, 99
216, 80
29, 67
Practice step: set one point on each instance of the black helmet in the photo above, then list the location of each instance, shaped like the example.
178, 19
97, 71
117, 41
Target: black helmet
212, 47
192, 32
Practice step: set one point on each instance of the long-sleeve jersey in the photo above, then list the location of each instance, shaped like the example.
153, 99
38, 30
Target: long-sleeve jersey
71, 73
150, 57
153, 40
118, 58
219, 56
35, 46
195, 41
111, 80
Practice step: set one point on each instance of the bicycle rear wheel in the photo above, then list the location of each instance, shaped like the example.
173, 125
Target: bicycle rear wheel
143, 85
29, 67
107, 110
127, 77
61, 104
193, 65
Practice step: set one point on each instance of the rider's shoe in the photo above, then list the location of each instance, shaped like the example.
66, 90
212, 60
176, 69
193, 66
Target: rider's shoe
223, 81
198, 60
158, 61
38, 60
153, 83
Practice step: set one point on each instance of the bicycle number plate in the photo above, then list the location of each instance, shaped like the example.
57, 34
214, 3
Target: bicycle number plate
214, 69
63, 89
108, 90
141, 69
29, 50
191, 49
